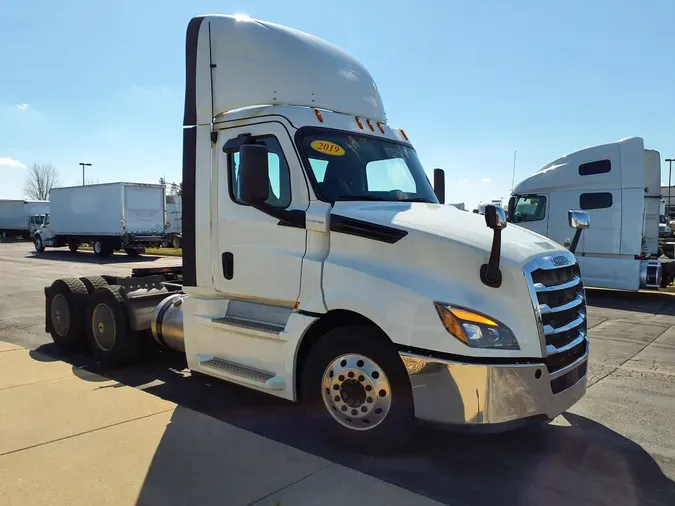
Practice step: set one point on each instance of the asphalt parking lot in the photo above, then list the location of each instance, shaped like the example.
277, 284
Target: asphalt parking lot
616, 446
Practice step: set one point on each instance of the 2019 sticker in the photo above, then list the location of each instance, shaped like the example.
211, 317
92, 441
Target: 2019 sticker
328, 148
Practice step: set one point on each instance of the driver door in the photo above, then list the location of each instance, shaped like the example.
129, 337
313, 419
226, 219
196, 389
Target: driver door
261, 258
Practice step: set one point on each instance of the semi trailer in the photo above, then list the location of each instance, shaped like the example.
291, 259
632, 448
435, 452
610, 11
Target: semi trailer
110, 216
17, 216
319, 265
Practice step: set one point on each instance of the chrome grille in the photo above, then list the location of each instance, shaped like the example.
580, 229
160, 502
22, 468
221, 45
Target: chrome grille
559, 301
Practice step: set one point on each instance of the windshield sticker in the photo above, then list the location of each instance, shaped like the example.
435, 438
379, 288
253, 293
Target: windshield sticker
328, 148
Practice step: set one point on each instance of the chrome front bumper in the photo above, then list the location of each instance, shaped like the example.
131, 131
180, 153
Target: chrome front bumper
457, 393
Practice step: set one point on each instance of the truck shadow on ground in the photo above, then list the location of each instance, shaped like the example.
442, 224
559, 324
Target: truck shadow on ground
89, 257
639, 302
581, 463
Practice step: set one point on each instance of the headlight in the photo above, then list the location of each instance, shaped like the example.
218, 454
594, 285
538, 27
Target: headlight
474, 329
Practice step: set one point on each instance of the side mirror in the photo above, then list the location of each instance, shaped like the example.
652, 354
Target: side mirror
512, 208
495, 217
253, 174
578, 220
439, 185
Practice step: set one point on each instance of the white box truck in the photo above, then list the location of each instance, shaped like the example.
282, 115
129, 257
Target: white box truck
174, 220
19, 217
111, 216
320, 267
619, 185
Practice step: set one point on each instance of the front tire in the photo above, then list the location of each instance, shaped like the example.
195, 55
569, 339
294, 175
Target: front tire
99, 249
176, 242
111, 339
356, 391
39, 245
132, 252
73, 246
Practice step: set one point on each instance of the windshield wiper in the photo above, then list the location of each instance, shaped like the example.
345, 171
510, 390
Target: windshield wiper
358, 197
416, 199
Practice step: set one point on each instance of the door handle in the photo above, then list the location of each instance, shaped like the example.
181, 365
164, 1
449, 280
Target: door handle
228, 265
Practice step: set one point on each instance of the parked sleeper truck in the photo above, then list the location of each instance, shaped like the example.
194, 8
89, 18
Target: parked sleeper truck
319, 266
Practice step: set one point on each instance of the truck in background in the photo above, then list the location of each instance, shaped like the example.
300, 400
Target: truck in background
174, 221
619, 184
17, 216
320, 266
110, 216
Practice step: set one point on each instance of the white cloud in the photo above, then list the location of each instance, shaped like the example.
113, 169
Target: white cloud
10, 162
487, 180
22, 106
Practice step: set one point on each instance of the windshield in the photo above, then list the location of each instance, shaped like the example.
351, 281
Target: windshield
355, 167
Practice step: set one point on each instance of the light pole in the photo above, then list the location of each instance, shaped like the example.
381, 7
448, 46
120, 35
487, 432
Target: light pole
83, 166
670, 171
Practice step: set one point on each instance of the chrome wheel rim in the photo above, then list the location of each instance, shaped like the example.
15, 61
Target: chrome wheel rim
98, 247
60, 313
38, 243
103, 327
356, 392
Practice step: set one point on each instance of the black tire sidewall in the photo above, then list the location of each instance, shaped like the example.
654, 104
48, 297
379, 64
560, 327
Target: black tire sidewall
367, 341
126, 346
76, 299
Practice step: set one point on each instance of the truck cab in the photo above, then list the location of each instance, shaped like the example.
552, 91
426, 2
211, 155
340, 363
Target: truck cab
618, 184
320, 267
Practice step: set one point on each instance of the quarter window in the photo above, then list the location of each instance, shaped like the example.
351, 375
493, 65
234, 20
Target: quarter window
595, 200
598, 167
279, 175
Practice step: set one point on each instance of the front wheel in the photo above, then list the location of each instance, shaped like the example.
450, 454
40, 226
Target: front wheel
73, 246
355, 389
39, 245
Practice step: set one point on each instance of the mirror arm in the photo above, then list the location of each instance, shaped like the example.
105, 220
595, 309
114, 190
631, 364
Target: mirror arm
575, 240
490, 274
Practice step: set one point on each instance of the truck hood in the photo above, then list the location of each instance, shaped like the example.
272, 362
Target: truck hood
518, 244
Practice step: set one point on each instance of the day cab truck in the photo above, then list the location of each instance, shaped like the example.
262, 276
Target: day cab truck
319, 265
19, 217
109, 216
619, 185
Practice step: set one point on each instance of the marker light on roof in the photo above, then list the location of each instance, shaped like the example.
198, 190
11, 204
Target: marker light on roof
370, 124
404, 135
358, 122
379, 125
318, 115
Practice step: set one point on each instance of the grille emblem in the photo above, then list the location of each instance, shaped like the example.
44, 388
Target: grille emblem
561, 260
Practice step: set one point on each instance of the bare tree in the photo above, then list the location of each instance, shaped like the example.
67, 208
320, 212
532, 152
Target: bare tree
40, 179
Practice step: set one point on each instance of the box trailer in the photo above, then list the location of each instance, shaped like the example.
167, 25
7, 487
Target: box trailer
15, 216
174, 220
112, 216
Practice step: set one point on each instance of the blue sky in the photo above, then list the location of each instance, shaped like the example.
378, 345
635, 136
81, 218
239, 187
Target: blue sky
469, 81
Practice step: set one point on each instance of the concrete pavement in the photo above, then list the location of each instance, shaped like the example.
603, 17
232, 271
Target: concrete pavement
68, 436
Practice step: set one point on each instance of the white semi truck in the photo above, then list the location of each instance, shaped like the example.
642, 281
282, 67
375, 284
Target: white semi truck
110, 216
619, 185
319, 266
18, 217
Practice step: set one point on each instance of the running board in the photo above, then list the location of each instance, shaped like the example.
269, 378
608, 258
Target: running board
245, 373
234, 321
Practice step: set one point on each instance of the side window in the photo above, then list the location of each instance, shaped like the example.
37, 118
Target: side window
279, 174
388, 175
599, 167
318, 168
595, 200
532, 208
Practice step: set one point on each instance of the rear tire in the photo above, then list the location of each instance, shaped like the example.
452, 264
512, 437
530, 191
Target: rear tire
67, 306
356, 391
176, 242
110, 338
73, 246
99, 249
91, 283
132, 252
